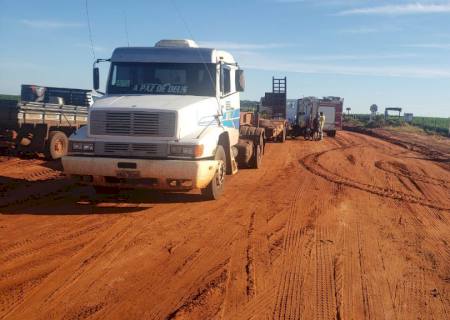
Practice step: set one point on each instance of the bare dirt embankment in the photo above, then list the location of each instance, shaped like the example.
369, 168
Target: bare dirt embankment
352, 227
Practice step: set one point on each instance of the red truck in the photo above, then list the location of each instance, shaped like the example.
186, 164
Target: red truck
308, 107
332, 109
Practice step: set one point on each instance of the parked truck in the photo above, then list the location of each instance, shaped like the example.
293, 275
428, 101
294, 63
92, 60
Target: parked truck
273, 108
169, 121
332, 108
43, 119
309, 107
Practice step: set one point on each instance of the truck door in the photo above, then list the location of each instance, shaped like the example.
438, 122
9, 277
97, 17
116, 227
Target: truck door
330, 115
229, 102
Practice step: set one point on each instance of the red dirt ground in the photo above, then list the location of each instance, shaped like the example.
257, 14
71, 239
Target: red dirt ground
347, 228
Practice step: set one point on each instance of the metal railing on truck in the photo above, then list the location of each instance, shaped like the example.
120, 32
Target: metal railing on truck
53, 114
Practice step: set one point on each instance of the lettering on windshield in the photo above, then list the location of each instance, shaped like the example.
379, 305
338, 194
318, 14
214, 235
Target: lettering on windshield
160, 88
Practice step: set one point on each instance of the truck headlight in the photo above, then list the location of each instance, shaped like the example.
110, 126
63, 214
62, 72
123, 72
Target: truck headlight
88, 147
77, 146
187, 150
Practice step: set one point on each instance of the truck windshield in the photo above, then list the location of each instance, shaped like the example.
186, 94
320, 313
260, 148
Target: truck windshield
195, 79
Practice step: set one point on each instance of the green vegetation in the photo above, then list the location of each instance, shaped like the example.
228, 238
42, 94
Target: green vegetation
440, 125
247, 105
9, 97
427, 124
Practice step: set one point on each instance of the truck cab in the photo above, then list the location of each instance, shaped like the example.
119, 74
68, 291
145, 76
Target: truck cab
169, 120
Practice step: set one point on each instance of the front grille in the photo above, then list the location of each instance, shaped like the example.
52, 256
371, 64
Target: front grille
131, 149
148, 148
116, 147
135, 123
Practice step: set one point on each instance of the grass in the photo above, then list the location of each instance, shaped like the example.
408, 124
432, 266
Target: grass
432, 124
9, 97
428, 125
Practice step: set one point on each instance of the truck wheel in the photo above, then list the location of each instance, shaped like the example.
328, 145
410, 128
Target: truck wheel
105, 190
57, 145
257, 157
282, 137
215, 188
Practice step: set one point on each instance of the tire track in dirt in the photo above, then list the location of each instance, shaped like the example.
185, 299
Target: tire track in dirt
401, 169
297, 245
34, 236
425, 301
324, 276
250, 266
426, 150
30, 266
15, 294
363, 278
75, 264
53, 240
311, 163
84, 312
214, 287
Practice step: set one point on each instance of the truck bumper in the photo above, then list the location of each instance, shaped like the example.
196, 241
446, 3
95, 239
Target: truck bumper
140, 173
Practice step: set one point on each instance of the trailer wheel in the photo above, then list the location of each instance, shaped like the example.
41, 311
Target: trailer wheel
243, 130
257, 157
282, 136
57, 145
215, 188
105, 190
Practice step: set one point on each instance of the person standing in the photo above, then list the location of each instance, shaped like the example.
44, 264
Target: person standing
321, 125
307, 129
315, 128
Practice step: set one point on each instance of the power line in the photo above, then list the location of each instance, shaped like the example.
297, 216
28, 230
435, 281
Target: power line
126, 26
174, 4
89, 28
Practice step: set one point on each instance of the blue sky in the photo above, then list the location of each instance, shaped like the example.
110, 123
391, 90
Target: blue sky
392, 53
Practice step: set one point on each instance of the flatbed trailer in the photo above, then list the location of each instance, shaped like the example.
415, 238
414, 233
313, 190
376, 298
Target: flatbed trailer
42, 120
273, 107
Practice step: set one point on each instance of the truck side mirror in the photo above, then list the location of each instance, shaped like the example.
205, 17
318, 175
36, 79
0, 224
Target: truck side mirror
96, 78
240, 80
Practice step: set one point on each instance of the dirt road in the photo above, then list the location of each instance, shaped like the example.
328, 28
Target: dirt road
347, 228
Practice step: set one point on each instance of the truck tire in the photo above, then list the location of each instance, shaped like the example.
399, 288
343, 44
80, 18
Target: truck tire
283, 136
105, 190
257, 156
57, 145
216, 187
243, 130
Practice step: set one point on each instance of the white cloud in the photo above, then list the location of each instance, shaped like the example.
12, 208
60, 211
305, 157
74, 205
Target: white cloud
242, 46
429, 45
368, 30
406, 72
49, 24
399, 9
266, 63
359, 57
290, 1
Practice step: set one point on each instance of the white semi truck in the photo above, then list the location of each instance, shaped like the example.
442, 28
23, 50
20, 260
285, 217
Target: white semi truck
169, 120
